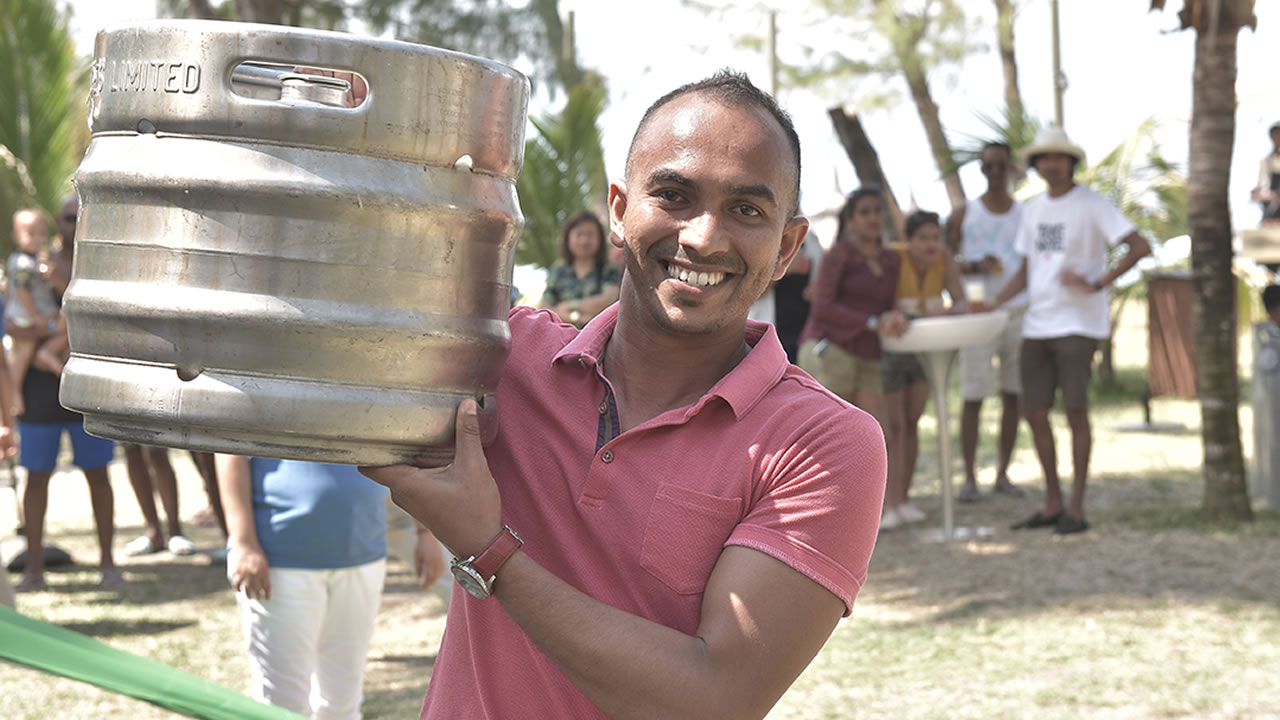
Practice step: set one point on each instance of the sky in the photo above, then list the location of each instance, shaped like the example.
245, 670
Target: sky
1123, 65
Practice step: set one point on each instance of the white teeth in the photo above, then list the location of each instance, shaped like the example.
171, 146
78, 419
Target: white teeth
696, 279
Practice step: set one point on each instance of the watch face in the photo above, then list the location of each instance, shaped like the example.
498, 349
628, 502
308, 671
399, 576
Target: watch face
470, 580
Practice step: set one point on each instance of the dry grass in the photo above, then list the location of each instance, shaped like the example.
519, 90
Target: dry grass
1150, 614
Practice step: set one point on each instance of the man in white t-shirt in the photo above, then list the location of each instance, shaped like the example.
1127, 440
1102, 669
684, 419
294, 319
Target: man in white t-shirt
1064, 239
982, 232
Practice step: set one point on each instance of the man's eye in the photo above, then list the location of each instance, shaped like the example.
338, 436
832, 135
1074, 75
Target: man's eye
750, 210
670, 195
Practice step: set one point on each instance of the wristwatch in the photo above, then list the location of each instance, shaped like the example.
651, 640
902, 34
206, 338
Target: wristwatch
1097, 285
873, 323
574, 314
477, 573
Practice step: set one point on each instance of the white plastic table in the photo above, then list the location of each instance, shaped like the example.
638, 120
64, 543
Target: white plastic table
935, 340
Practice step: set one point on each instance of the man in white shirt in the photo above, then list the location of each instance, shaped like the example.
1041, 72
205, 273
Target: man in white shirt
982, 232
1064, 239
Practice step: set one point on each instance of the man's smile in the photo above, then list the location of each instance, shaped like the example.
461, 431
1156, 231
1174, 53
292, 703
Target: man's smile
693, 278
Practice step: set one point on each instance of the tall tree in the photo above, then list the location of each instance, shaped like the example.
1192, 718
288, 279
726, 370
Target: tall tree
1006, 13
563, 172
1217, 23
42, 116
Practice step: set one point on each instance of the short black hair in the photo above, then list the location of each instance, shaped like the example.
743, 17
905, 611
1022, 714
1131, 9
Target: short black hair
851, 202
579, 218
734, 89
1031, 161
919, 219
996, 144
1271, 297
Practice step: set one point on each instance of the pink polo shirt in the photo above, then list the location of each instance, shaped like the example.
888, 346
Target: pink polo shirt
767, 459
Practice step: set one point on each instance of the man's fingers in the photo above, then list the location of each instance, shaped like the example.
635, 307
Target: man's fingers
467, 447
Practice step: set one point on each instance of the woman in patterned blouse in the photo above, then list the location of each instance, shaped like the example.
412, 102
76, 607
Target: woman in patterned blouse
585, 281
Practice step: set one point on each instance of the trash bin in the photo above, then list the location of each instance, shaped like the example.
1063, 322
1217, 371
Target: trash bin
1264, 480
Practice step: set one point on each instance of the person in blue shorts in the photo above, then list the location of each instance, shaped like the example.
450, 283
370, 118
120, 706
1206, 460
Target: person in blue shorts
40, 431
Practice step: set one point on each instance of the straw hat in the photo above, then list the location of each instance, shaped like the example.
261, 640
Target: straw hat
1052, 139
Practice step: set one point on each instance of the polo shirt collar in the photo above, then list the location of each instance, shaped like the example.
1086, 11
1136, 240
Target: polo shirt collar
742, 388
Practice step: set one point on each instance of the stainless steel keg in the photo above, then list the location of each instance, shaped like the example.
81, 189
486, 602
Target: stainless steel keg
265, 267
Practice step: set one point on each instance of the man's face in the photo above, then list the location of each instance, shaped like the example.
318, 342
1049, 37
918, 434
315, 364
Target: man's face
66, 220
996, 166
1055, 168
704, 218
1275, 138
30, 234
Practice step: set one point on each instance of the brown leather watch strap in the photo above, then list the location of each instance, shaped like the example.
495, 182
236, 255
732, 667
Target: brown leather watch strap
494, 555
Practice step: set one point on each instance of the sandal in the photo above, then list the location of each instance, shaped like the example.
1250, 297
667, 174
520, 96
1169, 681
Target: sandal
1039, 520
141, 545
968, 494
1070, 525
179, 545
1005, 487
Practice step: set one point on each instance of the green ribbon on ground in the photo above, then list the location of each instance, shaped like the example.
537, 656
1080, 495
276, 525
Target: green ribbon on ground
58, 651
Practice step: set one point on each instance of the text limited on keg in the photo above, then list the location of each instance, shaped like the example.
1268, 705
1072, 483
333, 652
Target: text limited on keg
154, 76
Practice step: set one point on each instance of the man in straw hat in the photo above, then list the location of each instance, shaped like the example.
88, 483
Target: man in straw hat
1064, 240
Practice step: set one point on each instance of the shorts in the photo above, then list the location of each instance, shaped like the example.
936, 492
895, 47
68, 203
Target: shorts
38, 446
977, 380
838, 371
898, 370
1052, 363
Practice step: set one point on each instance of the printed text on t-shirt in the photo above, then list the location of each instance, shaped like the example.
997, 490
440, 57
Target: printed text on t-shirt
1051, 237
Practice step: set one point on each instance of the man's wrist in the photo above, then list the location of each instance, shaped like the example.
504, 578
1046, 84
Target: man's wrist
1098, 285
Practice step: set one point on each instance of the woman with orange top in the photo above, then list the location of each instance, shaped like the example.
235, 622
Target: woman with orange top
925, 271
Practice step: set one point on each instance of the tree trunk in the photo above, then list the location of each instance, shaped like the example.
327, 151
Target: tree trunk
568, 73
1005, 11
1212, 137
201, 9
866, 163
928, 110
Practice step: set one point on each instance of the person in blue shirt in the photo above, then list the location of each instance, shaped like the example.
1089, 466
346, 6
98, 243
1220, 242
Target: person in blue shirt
307, 558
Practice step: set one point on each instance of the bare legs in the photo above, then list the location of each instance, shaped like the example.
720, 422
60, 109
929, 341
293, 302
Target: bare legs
969, 418
902, 412
1081, 447
35, 502
151, 473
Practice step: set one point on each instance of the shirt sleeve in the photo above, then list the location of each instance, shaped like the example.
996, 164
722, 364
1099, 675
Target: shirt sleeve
551, 294
841, 322
612, 274
820, 511
1113, 224
1022, 238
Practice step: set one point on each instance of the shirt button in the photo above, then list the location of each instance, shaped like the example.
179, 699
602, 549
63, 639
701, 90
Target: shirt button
582, 363
604, 406
607, 456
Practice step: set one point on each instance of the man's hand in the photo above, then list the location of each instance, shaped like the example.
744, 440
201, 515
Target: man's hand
250, 571
8, 448
1077, 283
990, 265
458, 502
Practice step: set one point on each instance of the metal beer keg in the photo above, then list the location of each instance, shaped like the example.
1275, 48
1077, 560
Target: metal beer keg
262, 268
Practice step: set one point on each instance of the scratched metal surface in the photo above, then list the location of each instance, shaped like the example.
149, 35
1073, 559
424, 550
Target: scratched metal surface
261, 269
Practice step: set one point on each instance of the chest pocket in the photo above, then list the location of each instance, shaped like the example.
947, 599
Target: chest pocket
684, 534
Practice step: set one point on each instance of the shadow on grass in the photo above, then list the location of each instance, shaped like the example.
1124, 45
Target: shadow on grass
116, 628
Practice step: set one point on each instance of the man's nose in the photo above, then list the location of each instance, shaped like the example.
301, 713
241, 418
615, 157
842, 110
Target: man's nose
705, 233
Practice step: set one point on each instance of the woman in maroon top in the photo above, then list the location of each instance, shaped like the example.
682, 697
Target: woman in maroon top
853, 305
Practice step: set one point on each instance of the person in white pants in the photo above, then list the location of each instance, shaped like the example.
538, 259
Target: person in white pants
307, 558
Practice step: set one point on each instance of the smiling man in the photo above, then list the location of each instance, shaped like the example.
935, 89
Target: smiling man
694, 514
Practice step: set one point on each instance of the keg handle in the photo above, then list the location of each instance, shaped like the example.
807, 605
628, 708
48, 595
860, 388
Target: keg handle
297, 85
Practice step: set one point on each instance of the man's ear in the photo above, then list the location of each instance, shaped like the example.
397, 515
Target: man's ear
617, 209
792, 240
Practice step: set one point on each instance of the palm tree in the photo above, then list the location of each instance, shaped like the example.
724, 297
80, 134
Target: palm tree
563, 172
42, 116
1213, 124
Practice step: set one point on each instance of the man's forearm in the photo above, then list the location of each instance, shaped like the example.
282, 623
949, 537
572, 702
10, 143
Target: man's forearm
1138, 249
626, 665
1016, 284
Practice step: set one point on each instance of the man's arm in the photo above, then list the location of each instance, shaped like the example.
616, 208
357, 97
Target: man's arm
1016, 284
248, 562
1138, 248
761, 624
